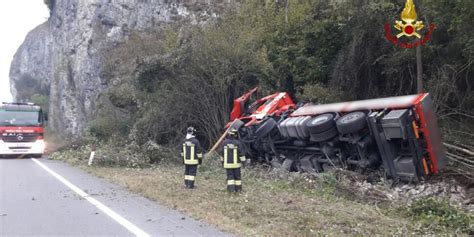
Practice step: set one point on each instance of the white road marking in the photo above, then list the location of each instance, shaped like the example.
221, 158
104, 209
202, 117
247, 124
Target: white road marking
119, 219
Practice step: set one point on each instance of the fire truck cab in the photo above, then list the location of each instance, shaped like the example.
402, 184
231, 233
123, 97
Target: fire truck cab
21, 130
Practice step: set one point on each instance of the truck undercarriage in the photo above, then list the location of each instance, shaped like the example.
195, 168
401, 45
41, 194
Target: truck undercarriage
398, 135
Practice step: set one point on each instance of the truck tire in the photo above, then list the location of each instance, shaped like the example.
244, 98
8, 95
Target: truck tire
324, 136
321, 123
265, 128
352, 122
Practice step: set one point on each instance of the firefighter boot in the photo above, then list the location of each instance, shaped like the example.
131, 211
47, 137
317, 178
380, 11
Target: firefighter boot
231, 186
191, 184
238, 186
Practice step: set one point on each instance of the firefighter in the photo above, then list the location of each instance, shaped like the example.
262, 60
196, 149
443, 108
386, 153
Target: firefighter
232, 160
192, 157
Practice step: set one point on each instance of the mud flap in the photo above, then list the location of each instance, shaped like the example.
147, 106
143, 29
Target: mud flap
406, 169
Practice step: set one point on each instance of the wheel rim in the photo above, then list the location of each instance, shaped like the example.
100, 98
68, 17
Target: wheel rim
351, 117
320, 119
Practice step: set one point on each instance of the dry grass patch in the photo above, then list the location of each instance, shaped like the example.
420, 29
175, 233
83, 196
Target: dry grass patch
272, 204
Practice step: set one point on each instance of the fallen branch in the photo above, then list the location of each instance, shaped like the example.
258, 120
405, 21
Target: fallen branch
460, 149
471, 162
460, 162
465, 174
462, 173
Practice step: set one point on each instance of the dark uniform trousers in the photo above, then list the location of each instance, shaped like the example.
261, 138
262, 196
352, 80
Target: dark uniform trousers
190, 175
234, 180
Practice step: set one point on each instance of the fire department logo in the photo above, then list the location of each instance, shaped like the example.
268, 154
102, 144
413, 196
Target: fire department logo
408, 28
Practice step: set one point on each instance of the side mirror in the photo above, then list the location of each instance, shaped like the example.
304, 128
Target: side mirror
45, 119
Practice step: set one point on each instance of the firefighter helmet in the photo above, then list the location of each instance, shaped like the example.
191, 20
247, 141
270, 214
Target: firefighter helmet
191, 130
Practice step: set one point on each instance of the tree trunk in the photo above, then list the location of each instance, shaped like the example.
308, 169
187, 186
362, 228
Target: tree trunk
419, 71
286, 82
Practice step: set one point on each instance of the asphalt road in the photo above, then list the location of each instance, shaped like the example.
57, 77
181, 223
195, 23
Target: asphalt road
66, 201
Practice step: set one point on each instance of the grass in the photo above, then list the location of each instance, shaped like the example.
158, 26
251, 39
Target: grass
266, 207
440, 215
274, 203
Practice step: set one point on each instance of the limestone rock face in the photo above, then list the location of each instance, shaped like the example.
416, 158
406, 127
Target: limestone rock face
61, 57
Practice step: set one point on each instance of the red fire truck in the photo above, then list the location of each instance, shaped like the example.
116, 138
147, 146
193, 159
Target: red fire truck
21, 130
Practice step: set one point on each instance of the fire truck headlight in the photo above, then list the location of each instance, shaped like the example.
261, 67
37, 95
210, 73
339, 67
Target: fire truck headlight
39, 145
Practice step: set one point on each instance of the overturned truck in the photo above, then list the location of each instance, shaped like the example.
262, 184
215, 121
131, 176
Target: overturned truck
398, 134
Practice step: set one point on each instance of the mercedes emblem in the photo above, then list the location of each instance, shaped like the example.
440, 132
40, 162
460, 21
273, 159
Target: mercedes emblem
19, 137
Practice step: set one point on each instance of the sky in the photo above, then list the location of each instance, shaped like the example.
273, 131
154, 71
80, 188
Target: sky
17, 18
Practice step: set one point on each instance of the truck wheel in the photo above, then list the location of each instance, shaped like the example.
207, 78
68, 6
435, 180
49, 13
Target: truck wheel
321, 123
324, 136
265, 128
352, 122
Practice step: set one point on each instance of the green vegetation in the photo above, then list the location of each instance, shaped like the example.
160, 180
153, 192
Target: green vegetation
29, 88
440, 215
163, 80
41, 100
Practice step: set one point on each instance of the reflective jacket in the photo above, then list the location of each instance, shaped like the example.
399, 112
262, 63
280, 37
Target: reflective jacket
192, 151
232, 153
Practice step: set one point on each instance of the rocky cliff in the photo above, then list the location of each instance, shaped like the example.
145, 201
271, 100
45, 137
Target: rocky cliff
62, 57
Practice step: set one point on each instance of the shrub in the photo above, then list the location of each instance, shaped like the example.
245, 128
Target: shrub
318, 93
157, 153
438, 215
109, 123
